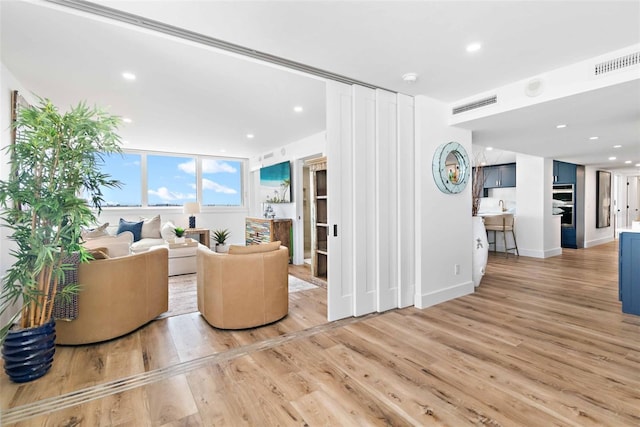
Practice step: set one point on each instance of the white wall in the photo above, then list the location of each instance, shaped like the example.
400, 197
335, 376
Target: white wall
296, 152
537, 230
594, 236
444, 233
8, 83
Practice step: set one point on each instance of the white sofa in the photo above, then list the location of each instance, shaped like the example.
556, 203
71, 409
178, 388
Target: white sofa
154, 233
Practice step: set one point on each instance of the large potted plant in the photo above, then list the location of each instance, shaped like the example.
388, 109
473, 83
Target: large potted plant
54, 182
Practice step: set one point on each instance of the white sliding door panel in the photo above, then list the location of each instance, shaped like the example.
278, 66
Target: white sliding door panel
339, 201
364, 173
406, 201
387, 199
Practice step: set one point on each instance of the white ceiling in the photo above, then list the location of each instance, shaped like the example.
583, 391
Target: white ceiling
188, 98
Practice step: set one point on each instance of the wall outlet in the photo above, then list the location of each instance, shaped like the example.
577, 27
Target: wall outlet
456, 269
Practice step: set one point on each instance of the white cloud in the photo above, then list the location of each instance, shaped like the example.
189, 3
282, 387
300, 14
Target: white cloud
207, 184
208, 166
188, 167
165, 194
216, 166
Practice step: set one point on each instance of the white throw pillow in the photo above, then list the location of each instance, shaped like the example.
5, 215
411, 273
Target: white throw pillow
168, 230
150, 228
117, 246
96, 232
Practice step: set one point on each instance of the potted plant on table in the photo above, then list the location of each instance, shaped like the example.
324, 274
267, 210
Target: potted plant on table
55, 162
220, 236
179, 235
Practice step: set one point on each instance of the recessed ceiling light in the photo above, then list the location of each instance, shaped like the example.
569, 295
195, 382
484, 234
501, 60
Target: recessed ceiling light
561, 126
617, 146
474, 47
298, 109
410, 77
128, 76
627, 162
223, 151
593, 138
127, 120
612, 158
638, 165
483, 163
250, 135
489, 148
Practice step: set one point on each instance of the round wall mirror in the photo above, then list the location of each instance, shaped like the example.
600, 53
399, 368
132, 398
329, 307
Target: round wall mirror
451, 167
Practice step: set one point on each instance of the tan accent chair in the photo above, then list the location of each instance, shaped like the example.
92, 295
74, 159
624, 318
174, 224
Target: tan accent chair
245, 288
118, 296
501, 223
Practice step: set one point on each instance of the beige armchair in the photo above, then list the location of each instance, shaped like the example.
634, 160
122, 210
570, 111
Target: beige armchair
118, 296
245, 288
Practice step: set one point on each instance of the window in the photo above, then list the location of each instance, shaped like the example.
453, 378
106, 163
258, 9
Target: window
126, 168
171, 181
221, 182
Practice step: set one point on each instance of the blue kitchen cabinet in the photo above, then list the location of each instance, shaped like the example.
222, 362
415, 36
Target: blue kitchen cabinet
564, 173
500, 176
629, 272
568, 237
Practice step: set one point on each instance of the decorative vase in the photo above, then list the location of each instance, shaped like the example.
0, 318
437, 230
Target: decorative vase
28, 353
480, 252
222, 249
179, 240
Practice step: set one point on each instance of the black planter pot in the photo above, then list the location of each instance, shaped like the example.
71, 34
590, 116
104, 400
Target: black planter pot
28, 353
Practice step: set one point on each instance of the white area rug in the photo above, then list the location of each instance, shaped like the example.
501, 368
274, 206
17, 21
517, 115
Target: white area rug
183, 293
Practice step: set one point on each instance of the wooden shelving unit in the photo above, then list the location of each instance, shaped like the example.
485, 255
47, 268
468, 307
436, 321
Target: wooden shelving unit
263, 230
319, 220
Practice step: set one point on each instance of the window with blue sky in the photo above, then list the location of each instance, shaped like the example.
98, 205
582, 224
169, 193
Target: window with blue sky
172, 180
221, 182
127, 169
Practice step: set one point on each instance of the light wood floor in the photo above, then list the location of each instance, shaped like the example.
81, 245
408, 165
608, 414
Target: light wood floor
541, 343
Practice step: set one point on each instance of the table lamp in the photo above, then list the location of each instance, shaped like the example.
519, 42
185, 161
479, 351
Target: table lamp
192, 208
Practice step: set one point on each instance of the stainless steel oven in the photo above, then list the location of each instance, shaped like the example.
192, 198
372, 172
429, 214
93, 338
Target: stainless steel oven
564, 198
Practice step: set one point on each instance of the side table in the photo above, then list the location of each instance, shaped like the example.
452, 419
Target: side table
203, 235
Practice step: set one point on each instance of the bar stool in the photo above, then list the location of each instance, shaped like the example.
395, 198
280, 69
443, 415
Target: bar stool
501, 223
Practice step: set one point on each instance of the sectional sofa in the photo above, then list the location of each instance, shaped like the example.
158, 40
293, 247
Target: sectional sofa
135, 237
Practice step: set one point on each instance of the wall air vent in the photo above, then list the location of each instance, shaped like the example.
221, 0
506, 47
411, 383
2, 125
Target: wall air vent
617, 63
475, 104
268, 155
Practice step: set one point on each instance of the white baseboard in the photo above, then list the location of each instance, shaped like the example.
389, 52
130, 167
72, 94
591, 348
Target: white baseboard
442, 295
552, 252
597, 242
533, 253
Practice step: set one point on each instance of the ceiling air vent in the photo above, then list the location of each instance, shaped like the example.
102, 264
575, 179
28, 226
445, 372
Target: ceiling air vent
617, 63
475, 104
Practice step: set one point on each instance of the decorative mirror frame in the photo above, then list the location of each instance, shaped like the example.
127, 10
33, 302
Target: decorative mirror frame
603, 199
441, 173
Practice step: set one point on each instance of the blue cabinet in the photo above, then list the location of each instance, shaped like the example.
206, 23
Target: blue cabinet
568, 237
629, 272
500, 176
564, 173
